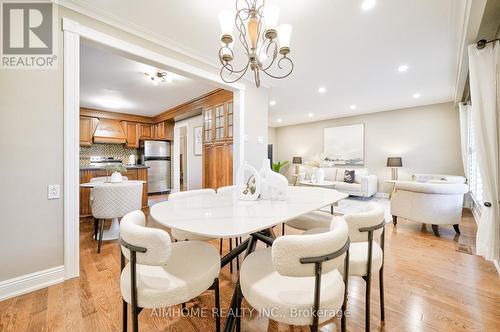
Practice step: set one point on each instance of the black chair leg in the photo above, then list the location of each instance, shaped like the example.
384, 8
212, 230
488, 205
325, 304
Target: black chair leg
381, 284
457, 230
395, 220
124, 316
283, 229
217, 305
101, 231
237, 257
367, 300
220, 247
96, 227
435, 229
231, 248
135, 319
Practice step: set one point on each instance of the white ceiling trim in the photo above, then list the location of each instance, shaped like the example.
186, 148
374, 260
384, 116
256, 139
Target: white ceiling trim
134, 29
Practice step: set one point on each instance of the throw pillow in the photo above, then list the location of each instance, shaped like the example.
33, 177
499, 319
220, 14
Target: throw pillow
349, 176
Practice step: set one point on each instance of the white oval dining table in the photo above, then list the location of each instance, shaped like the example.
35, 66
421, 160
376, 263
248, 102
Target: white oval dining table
113, 232
223, 215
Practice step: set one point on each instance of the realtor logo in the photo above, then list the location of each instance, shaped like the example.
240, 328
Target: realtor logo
28, 35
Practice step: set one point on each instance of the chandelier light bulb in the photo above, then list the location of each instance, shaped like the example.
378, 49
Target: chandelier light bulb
284, 35
226, 21
271, 16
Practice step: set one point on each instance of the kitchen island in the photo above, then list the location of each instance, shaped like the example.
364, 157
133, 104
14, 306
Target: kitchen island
134, 172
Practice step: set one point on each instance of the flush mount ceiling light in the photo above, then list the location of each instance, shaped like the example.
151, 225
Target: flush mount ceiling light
279, 120
353, 107
258, 33
416, 95
310, 115
321, 89
403, 68
368, 4
272, 102
159, 77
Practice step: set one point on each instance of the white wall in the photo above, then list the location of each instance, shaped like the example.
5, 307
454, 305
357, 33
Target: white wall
427, 138
193, 169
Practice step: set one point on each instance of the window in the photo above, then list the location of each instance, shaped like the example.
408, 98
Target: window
474, 173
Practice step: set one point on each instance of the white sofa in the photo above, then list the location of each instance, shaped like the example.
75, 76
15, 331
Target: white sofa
436, 202
364, 185
438, 178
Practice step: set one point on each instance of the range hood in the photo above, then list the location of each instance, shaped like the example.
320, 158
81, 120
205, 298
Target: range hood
109, 131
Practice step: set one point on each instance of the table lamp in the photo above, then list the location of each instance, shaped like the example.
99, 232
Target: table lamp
297, 161
394, 163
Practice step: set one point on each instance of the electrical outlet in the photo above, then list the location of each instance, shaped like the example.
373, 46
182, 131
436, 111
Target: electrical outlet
53, 191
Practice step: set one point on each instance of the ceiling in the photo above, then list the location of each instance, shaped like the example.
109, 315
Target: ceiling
354, 54
114, 83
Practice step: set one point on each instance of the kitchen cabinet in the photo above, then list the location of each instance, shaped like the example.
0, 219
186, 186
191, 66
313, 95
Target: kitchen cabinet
217, 164
137, 173
131, 130
164, 130
145, 131
87, 128
218, 122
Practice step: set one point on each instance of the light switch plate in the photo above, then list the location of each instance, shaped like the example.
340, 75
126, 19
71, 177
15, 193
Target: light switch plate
53, 191
260, 140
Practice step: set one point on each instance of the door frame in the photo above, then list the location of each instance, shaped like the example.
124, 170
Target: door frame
73, 34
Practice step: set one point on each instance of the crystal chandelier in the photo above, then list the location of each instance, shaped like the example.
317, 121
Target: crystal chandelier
259, 33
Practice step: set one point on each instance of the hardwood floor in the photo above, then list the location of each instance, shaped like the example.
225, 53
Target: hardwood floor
430, 285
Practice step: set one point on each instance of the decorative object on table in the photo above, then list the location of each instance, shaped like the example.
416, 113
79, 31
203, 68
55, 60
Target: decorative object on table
394, 163
349, 176
277, 167
248, 183
197, 148
115, 171
261, 47
132, 159
345, 145
274, 185
318, 162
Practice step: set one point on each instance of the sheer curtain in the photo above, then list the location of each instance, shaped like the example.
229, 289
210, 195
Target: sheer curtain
484, 85
464, 109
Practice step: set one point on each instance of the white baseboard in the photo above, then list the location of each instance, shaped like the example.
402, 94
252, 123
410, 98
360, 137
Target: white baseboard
382, 195
31, 282
497, 265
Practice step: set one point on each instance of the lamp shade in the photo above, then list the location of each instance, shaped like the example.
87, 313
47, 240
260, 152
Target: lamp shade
394, 162
297, 160
226, 21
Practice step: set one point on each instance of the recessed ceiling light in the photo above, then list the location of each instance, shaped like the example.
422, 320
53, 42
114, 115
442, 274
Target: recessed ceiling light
416, 95
368, 4
353, 107
321, 89
272, 102
279, 120
310, 115
402, 68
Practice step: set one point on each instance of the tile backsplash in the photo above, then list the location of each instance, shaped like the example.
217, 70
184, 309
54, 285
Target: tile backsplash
118, 151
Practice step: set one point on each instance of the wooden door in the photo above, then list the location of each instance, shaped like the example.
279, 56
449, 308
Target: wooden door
87, 128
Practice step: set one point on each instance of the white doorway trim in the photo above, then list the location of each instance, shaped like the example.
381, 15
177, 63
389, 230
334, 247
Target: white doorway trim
74, 32
176, 162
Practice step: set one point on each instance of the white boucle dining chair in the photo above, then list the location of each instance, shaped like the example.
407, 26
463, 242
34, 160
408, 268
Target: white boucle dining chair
297, 281
160, 273
94, 180
179, 235
366, 255
114, 200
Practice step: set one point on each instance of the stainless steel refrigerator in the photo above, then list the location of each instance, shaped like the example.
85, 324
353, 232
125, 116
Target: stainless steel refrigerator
157, 158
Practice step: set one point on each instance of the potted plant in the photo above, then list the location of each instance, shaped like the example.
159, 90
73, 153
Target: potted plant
277, 167
318, 162
115, 171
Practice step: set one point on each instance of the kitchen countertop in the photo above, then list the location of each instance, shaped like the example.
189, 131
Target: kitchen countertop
86, 168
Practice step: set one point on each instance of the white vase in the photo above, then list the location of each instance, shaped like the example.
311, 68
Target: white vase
319, 175
274, 185
116, 177
245, 172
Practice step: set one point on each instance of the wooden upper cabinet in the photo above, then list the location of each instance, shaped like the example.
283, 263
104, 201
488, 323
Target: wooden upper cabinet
164, 131
145, 131
218, 122
87, 128
131, 130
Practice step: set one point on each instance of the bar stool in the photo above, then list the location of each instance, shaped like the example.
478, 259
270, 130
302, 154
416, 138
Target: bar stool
113, 201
